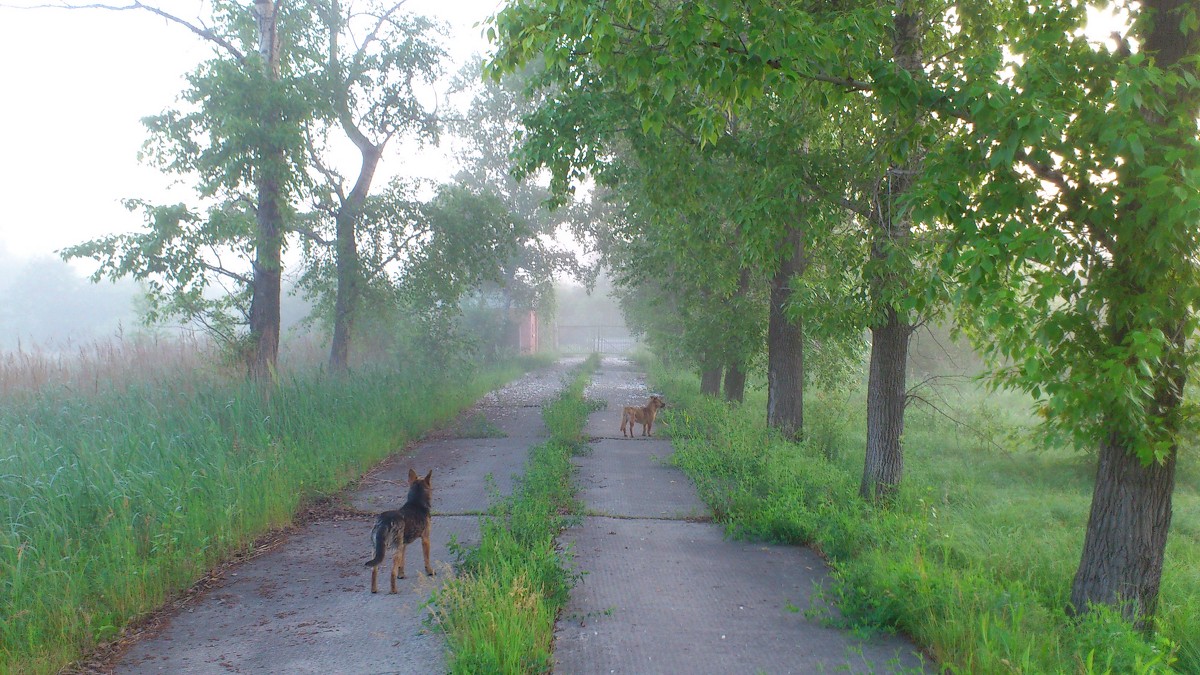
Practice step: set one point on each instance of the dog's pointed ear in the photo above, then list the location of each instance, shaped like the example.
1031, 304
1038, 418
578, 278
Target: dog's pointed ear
412, 476
429, 476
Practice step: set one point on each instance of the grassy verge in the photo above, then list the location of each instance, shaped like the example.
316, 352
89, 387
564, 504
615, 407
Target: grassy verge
498, 613
115, 500
976, 558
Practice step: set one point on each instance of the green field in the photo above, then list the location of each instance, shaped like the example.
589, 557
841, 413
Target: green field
119, 497
976, 557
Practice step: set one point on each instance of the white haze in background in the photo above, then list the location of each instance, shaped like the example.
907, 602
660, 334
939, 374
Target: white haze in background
74, 86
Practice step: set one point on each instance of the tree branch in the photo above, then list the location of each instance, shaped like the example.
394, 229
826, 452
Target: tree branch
312, 234
201, 31
226, 273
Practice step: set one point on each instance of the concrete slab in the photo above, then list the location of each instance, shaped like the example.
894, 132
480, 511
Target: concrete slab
459, 467
306, 607
632, 479
676, 597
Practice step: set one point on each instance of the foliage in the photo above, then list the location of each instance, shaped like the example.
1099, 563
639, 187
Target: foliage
489, 128
472, 234
1076, 256
499, 612
1061, 177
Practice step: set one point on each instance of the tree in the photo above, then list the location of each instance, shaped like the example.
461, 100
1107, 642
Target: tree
1074, 196
242, 139
586, 117
705, 68
277, 131
373, 95
488, 128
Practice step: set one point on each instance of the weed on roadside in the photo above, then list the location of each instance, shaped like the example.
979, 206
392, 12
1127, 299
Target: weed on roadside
974, 560
498, 613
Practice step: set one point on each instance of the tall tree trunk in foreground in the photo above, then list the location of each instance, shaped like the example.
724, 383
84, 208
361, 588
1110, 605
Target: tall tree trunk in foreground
887, 394
1123, 551
349, 267
785, 344
268, 267
349, 277
1122, 560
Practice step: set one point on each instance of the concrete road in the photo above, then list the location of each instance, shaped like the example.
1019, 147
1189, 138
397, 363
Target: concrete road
305, 606
665, 592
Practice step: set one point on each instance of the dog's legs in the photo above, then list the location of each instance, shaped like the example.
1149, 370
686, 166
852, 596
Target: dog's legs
398, 565
374, 576
425, 549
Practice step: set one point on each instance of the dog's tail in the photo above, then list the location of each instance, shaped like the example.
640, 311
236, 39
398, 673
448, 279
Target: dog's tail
378, 539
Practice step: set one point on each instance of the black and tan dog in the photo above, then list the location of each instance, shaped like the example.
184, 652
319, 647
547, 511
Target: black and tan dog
644, 416
402, 527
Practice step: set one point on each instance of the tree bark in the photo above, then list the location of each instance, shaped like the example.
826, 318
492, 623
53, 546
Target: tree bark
268, 269
1122, 561
710, 381
735, 382
785, 344
349, 267
348, 287
887, 394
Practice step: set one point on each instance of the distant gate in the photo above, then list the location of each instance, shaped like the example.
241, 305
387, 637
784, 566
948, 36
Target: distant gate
601, 339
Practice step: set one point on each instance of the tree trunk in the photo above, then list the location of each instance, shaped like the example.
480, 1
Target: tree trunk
710, 381
887, 393
785, 345
268, 269
348, 279
886, 398
349, 266
735, 382
1123, 550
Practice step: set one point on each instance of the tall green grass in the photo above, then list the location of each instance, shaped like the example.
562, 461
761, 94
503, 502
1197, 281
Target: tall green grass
498, 613
115, 500
974, 560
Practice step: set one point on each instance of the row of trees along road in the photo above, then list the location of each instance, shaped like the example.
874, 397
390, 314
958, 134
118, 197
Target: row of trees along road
870, 166
261, 132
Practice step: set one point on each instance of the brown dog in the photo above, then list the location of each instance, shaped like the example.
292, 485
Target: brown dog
402, 526
643, 416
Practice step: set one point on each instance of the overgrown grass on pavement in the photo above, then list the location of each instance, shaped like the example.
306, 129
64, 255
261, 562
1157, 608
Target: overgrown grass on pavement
974, 560
498, 613
114, 500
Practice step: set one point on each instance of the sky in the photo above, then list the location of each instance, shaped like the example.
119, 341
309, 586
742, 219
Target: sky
74, 86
